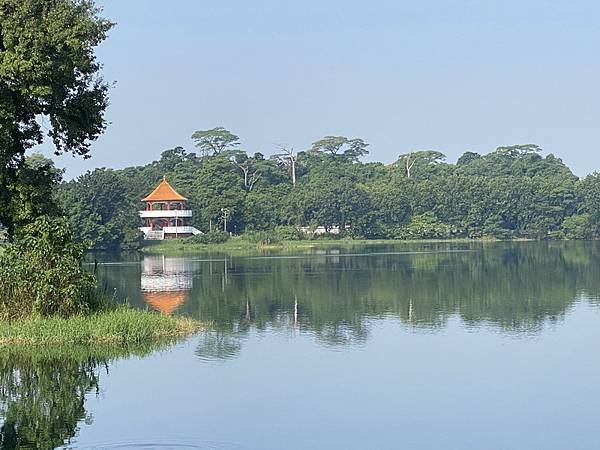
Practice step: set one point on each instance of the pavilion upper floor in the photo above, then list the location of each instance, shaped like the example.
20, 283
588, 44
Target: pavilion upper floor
165, 213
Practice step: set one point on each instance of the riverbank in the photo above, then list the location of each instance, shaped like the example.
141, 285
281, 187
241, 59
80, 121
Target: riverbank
122, 326
240, 245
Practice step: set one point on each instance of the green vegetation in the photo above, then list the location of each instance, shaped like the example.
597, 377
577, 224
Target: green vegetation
120, 327
251, 243
49, 71
212, 237
41, 274
47, 298
511, 193
235, 245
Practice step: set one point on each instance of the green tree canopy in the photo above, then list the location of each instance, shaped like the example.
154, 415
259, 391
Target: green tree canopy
511, 192
352, 149
214, 141
48, 73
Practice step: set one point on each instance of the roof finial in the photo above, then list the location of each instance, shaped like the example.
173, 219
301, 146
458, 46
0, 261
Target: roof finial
164, 178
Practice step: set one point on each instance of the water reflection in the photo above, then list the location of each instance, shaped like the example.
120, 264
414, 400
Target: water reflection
218, 345
43, 391
42, 399
335, 294
165, 282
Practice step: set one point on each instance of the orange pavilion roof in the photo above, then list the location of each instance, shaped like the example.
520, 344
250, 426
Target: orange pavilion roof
164, 192
165, 302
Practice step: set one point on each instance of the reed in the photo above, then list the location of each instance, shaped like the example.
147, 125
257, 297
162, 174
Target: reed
122, 326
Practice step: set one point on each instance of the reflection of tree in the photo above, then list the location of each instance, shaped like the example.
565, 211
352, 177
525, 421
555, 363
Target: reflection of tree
513, 287
336, 334
42, 402
218, 345
42, 393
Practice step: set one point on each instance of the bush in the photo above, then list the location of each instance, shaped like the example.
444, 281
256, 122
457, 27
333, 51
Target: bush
261, 237
212, 237
132, 239
288, 233
494, 226
41, 275
578, 227
368, 226
423, 226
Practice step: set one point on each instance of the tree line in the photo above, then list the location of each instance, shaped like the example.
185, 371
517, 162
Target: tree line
511, 192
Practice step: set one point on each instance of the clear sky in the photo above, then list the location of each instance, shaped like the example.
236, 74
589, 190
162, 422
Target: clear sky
403, 75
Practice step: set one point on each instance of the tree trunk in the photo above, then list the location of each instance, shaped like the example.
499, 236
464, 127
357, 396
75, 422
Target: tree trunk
293, 170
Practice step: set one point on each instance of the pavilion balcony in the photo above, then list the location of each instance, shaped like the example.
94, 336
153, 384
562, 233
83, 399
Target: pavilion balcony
181, 230
167, 213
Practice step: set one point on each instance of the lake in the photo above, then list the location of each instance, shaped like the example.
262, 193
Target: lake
429, 346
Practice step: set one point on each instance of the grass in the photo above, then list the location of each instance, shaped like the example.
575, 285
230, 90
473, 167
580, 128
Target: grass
241, 246
122, 326
182, 245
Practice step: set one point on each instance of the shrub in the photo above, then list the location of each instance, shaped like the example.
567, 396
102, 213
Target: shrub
368, 226
212, 237
494, 226
288, 233
261, 237
423, 226
40, 274
132, 239
578, 227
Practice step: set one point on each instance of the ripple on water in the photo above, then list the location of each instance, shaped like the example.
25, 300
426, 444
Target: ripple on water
159, 444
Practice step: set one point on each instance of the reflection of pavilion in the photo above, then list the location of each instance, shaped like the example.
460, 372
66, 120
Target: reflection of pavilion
166, 282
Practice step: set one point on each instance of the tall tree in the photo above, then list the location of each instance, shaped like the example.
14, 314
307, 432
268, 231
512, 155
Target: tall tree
32, 191
515, 151
351, 148
215, 141
48, 73
467, 158
169, 159
286, 158
98, 209
251, 168
423, 159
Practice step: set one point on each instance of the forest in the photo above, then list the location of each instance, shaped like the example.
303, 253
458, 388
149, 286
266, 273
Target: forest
511, 192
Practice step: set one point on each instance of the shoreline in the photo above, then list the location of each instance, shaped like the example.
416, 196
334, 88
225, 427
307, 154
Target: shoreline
239, 245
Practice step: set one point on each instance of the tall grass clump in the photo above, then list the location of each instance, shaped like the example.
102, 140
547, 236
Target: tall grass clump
122, 326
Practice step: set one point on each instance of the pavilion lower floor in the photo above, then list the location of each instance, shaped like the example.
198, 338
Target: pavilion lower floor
169, 232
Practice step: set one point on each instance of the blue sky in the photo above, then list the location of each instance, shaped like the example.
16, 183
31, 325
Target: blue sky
450, 76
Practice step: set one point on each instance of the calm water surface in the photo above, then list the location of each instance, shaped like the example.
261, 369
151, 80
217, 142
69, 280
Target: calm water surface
423, 347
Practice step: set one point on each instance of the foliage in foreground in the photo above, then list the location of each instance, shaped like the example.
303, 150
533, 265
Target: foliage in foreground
48, 69
41, 274
47, 298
